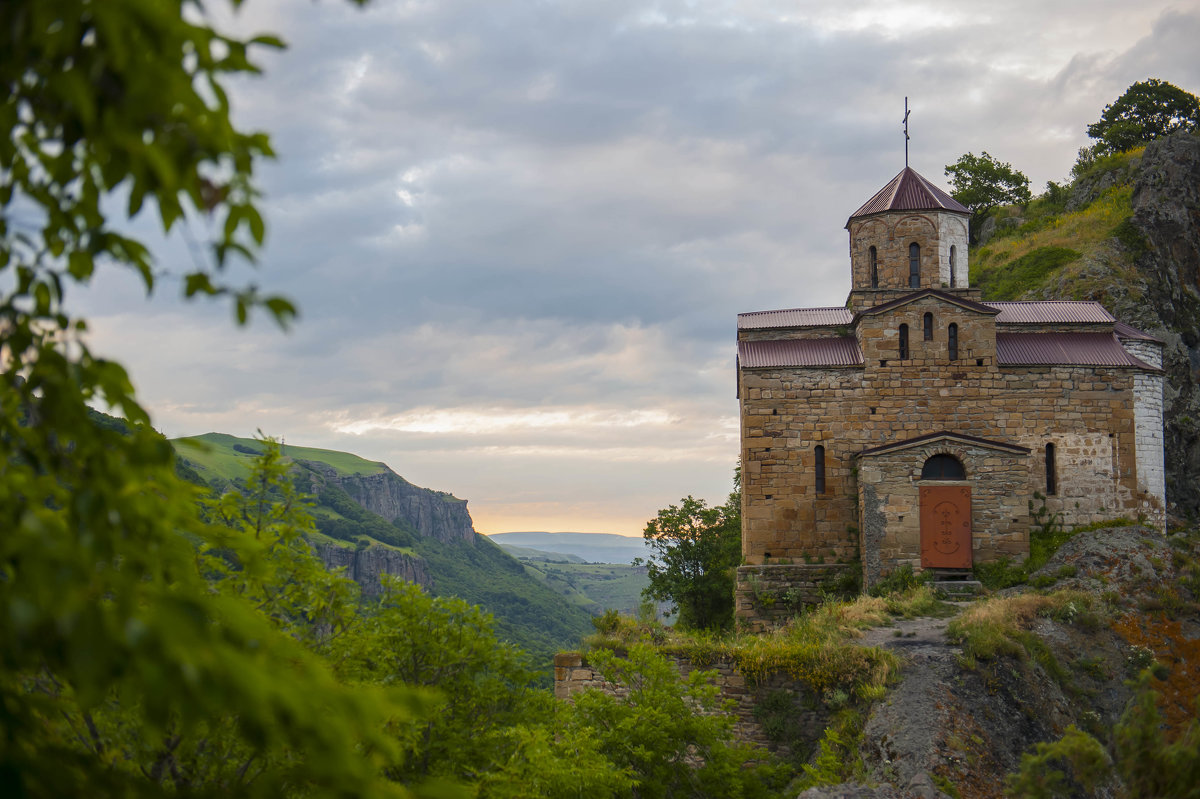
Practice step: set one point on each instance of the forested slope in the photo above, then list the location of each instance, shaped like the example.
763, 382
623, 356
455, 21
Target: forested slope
373, 522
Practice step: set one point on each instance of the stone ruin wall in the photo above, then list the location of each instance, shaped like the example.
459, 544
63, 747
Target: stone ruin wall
573, 674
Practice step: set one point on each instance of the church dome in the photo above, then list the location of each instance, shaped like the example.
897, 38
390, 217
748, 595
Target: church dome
909, 191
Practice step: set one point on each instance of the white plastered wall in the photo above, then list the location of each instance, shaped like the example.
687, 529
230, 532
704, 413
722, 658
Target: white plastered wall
952, 231
1148, 429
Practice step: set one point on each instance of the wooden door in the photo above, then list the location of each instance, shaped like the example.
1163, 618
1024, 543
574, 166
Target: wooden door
946, 527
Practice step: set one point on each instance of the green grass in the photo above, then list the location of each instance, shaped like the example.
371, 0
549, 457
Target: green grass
602, 586
818, 648
213, 456
1052, 248
1030, 269
1044, 540
316, 537
1000, 626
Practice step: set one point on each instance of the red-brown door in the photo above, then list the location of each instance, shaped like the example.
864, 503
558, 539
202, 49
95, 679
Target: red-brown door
945, 527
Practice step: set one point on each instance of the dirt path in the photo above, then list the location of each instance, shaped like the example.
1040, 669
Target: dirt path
920, 638
903, 738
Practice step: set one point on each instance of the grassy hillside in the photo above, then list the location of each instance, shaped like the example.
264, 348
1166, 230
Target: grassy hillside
528, 613
594, 586
1045, 251
222, 458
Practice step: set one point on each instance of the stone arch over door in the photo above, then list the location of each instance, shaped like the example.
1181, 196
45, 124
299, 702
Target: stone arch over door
945, 508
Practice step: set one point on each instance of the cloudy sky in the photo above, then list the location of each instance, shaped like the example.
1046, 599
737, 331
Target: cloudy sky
519, 233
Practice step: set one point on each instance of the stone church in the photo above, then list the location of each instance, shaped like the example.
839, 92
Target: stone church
916, 424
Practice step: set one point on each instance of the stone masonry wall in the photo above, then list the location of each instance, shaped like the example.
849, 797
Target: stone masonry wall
953, 234
573, 674
878, 336
776, 334
769, 595
1087, 412
889, 495
891, 234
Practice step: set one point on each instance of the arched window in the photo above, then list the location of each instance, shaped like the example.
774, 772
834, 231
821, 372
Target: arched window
952, 342
903, 342
927, 327
914, 266
819, 468
953, 265
1051, 472
874, 258
943, 467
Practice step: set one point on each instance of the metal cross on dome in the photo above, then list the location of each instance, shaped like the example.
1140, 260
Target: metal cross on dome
906, 137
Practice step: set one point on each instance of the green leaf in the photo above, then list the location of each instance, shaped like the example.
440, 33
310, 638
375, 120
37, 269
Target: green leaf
267, 40
281, 308
198, 283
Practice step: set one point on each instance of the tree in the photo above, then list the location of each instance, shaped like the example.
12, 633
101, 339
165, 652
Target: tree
445, 646
1147, 110
982, 183
106, 604
696, 549
673, 734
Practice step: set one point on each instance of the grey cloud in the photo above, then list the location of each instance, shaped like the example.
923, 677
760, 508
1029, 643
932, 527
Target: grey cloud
517, 205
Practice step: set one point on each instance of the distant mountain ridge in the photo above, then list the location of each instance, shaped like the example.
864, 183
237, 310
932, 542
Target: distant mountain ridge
591, 547
371, 521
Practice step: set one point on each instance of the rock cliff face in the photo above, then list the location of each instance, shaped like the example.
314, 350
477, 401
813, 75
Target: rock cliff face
1148, 275
366, 566
430, 513
1162, 295
1166, 212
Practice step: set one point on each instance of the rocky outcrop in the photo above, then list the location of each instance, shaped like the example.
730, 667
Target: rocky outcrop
431, 514
966, 723
1087, 188
1148, 275
1166, 214
366, 566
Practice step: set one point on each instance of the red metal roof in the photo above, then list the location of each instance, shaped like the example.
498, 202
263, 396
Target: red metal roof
799, 352
795, 317
1051, 312
1074, 349
909, 191
1125, 331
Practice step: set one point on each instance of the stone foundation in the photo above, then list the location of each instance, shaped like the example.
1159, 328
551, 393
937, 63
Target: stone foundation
767, 596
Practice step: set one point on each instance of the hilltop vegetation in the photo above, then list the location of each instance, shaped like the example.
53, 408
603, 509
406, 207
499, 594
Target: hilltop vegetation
1070, 243
219, 457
